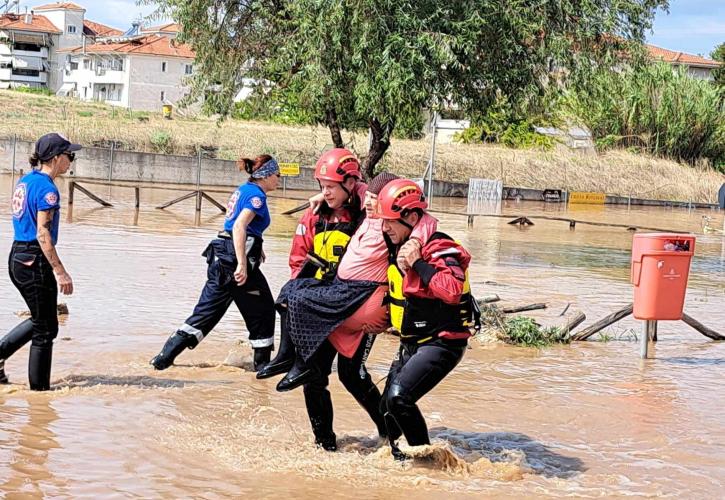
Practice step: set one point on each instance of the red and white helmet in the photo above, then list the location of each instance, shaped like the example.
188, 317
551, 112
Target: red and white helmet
399, 196
336, 165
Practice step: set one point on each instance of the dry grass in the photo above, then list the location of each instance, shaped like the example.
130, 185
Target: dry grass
617, 172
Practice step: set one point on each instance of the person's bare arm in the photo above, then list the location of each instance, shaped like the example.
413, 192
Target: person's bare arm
45, 222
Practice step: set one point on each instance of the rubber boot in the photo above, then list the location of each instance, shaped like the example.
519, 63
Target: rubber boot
16, 338
3, 377
300, 374
407, 416
174, 346
261, 357
285, 357
327, 443
39, 363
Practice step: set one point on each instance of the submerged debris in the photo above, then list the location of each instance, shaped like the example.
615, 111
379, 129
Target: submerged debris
518, 330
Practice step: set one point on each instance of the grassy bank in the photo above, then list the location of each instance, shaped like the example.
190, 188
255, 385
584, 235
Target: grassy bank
618, 172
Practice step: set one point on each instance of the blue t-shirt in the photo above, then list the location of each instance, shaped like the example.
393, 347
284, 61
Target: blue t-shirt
253, 197
33, 193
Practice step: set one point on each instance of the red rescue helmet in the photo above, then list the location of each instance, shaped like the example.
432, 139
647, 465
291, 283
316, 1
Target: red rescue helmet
399, 196
336, 165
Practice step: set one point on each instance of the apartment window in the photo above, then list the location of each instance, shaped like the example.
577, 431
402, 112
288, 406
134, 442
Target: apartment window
163, 67
163, 95
26, 72
71, 29
188, 69
73, 66
27, 47
86, 64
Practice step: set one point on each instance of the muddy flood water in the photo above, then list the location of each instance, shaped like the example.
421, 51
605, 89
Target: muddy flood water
585, 420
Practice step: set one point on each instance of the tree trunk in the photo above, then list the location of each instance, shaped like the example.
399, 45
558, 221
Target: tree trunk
378, 146
334, 127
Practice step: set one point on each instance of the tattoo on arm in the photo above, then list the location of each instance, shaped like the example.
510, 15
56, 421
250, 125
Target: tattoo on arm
45, 224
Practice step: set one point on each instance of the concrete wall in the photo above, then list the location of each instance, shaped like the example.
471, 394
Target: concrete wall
94, 163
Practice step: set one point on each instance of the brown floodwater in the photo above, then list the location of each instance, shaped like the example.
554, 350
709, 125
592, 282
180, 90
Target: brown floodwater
587, 420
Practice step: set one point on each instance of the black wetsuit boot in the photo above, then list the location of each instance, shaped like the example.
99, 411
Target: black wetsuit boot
285, 357
174, 346
39, 365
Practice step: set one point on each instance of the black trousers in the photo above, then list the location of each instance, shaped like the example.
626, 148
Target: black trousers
415, 371
32, 275
253, 299
356, 379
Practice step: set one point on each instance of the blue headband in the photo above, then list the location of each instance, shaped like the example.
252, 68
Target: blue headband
269, 168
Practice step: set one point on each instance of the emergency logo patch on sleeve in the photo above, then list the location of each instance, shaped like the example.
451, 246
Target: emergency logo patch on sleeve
51, 198
232, 203
301, 230
256, 202
18, 201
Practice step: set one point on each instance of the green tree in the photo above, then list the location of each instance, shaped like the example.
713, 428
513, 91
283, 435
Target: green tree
376, 64
719, 73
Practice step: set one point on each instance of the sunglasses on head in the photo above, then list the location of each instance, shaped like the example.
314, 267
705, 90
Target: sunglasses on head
71, 156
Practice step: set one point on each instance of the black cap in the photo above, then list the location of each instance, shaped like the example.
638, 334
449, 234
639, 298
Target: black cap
51, 145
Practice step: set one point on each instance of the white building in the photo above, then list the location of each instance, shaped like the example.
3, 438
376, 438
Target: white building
140, 72
27, 44
30, 43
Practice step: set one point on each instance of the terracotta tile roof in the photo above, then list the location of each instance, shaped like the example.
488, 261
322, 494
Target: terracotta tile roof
152, 45
93, 28
59, 5
17, 22
684, 58
167, 28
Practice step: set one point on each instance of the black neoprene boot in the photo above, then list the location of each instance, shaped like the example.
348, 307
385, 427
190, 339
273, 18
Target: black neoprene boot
174, 346
261, 357
285, 357
39, 364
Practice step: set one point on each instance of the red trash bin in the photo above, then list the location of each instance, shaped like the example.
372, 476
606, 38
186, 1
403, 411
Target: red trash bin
659, 272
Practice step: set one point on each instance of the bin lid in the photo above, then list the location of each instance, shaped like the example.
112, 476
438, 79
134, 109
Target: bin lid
666, 236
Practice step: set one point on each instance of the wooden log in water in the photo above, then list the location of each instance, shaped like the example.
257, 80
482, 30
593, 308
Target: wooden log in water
575, 321
90, 195
488, 299
529, 307
603, 323
707, 332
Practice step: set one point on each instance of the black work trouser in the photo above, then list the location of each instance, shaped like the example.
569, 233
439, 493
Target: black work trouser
32, 275
356, 379
253, 299
415, 371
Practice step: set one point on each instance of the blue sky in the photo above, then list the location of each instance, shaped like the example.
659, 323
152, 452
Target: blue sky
694, 26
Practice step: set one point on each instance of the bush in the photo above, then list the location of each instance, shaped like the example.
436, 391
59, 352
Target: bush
85, 114
520, 135
161, 141
525, 331
33, 90
653, 108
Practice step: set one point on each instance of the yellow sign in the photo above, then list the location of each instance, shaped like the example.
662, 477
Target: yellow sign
289, 169
590, 198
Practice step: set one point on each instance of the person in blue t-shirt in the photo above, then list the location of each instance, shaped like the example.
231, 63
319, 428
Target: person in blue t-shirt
233, 273
34, 266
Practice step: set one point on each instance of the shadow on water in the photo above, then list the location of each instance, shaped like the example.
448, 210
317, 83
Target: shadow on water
502, 447
141, 381
690, 361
